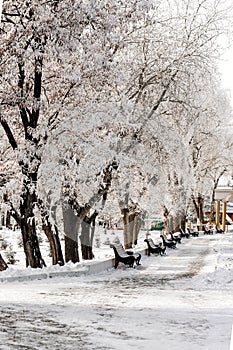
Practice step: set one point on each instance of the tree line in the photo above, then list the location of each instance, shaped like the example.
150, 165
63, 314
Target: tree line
109, 109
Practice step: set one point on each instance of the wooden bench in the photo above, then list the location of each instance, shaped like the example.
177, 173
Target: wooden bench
175, 237
207, 232
193, 233
126, 257
219, 230
154, 248
168, 242
184, 234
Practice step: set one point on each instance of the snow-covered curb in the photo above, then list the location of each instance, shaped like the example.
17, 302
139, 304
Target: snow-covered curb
69, 270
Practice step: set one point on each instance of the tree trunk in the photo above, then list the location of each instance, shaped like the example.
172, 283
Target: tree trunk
8, 220
212, 210
126, 232
71, 234
28, 228
170, 223
176, 223
183, 222
52, 235
54, 241
166, 215
3, 264
131, 218
71, 250
93, 218
198, 205
136, 228
86, 246
131, 224
87, 236
2, 220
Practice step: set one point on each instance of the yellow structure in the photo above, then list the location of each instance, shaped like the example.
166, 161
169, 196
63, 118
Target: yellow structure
224, 212
224, 195
217, 216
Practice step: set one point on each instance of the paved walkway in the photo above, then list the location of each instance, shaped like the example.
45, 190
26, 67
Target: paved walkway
156, 306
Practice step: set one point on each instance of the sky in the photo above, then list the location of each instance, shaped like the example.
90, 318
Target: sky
226, 69
225, 66
179, 301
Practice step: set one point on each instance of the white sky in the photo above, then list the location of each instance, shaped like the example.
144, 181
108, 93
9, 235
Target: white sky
226, 68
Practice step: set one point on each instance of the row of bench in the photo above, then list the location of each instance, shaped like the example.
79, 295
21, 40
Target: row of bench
132, 259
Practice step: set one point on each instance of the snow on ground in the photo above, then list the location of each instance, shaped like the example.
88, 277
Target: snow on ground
179, 301
101, 251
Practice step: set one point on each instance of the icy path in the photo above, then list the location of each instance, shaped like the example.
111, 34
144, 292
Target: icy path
168, 303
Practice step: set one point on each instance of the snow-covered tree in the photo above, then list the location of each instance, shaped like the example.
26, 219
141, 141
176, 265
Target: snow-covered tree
96, 94
55, 56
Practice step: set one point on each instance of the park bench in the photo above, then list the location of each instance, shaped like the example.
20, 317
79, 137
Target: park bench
207, 232
154, 248
124, 256
168, 242
184, 234
175, 237
193, 233
219, 230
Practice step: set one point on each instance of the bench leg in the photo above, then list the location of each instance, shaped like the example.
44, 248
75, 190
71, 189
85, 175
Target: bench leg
138, 259
116, 263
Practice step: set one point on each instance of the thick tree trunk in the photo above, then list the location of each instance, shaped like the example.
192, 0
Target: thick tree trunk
126, 233
52, 235
183, 222
170, 223
3, 264
178, 222
28, 228
131, 224
166, 215
87, 236
8, 219
71, 234
175, 224
54, 241
86, 247
198, 205
212, 210
136, 228
71, 250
